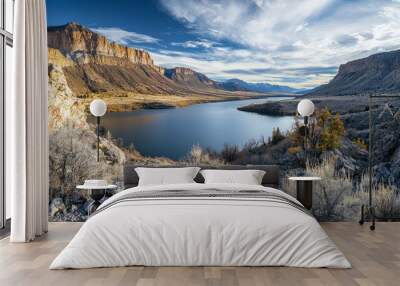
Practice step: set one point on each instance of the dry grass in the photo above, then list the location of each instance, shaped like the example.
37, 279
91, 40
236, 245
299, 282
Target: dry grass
338, 197
333, 196
134, 155
198, 156
73, 159
385, 198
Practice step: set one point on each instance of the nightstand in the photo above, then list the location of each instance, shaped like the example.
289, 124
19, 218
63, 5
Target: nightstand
304, 189
96, 193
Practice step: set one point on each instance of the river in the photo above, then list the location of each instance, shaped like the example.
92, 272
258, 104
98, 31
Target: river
172, 132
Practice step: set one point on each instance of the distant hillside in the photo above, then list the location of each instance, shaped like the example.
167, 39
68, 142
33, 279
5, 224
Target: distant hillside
190, 78
379, 72
240, 85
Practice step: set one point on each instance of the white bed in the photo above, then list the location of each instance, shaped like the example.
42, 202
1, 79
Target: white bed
202, 231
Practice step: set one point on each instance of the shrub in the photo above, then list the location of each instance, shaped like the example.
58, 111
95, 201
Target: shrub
387, 201
73, 159
295, 149
338, 197
277, 136
325, 131
230, 153
333, 196
332, 192
329, 130
198, 156
360, 143
385, 197
254, 146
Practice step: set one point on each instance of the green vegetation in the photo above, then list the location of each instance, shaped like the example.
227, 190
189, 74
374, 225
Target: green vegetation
329, 130
277, 136
325, 131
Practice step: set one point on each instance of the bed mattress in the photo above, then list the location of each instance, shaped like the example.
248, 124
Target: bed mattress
201, 225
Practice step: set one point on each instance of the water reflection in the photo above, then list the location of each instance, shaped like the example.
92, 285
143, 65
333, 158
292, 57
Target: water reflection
172, 132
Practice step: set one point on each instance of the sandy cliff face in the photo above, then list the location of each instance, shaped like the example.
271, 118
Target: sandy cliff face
84, 46
57, 58
64, 108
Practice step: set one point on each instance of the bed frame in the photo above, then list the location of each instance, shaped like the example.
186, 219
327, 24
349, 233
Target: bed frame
270, 179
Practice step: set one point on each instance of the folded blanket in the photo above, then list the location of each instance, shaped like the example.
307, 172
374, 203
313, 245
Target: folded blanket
207, 193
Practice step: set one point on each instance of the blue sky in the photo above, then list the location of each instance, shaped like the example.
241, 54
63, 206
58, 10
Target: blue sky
295, 43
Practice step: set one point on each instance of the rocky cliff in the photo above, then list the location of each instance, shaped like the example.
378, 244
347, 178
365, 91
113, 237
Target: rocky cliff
378, 72
84, 46
66, 111
57, 58
93, 65
64, 108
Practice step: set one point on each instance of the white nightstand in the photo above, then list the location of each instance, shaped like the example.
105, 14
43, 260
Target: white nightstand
96, 193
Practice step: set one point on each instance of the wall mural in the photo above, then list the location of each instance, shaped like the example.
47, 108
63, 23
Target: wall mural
218, 82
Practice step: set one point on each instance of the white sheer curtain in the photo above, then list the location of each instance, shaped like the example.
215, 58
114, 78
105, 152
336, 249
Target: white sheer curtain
27, 135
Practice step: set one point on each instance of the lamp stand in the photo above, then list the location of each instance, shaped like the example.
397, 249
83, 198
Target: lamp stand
305, 139
98, 138
305, 132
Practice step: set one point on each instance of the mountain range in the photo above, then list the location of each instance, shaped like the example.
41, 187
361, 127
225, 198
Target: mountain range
240, 85
377, 73
93, 64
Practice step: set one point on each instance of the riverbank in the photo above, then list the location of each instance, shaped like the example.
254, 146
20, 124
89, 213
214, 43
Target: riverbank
337, 104
128, 101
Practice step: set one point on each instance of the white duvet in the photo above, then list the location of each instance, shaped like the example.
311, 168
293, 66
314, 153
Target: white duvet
193, 231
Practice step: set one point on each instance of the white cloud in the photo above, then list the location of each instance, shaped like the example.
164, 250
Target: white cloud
201, 43
225, 63
124, 37
286, 34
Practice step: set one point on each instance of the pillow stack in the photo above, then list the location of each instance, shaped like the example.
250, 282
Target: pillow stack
186, 175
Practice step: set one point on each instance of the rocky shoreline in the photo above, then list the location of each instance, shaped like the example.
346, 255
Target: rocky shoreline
337, 104
353, 110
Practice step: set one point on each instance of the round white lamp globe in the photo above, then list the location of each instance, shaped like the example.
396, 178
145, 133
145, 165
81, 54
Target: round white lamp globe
305, 107
98, 107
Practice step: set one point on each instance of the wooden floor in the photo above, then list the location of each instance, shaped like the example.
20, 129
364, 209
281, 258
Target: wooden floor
375, 257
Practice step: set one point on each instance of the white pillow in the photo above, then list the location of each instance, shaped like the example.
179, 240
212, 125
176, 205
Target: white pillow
166, 176
248, 177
